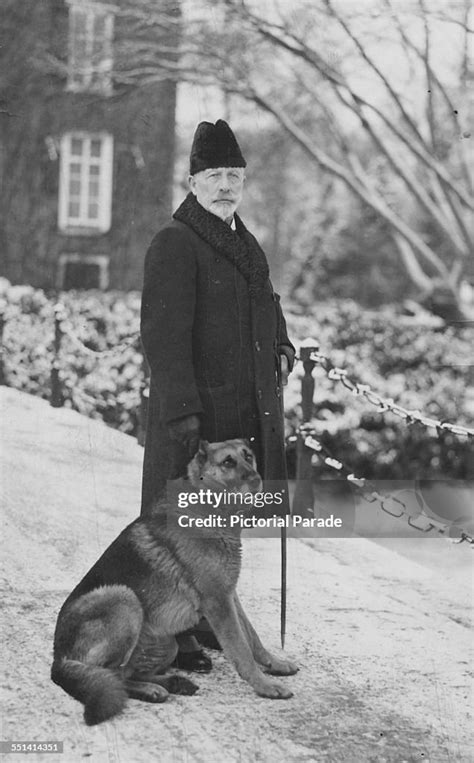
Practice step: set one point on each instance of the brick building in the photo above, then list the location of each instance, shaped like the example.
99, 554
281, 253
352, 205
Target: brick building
86, 156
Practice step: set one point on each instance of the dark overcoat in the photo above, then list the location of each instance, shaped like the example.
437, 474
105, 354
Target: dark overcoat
212, 330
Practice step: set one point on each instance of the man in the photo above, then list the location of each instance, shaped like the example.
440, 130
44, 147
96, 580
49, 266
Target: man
212, 329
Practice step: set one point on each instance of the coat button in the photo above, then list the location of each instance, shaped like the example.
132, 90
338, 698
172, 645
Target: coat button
257, 346
278, 392
259, 394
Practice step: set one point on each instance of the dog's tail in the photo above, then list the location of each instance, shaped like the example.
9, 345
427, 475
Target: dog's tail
99, 689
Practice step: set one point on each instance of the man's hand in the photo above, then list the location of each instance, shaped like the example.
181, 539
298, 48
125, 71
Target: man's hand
287, 360
186, 432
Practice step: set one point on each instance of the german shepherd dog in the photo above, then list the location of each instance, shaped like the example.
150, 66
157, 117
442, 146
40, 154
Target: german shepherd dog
115, 634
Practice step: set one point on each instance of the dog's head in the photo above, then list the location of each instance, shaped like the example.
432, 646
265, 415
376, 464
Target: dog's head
228, 465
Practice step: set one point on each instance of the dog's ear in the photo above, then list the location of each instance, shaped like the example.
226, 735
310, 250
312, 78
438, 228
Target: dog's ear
201, 455
197, 462
203, 448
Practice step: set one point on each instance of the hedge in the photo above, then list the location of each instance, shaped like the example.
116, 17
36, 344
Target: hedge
420, 366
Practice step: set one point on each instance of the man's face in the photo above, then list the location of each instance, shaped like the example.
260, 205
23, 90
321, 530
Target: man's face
219, 190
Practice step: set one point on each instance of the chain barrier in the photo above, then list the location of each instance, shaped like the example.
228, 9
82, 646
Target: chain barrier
385, 404
63, 328
390, 504
68, 330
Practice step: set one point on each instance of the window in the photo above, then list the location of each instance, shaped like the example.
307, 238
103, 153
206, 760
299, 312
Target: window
91, 29
85, 183
83, 271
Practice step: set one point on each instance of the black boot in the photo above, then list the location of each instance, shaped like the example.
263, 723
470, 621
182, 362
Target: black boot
207, 638
190, 656
203, 634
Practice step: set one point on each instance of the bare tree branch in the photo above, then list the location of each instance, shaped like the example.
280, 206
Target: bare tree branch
465, 53
395, 96
411, 263
422, 151
413, 185
354, 183
429, 79
452, 111
458, 22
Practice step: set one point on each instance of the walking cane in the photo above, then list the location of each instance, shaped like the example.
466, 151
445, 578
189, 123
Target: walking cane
283, 549
283, 587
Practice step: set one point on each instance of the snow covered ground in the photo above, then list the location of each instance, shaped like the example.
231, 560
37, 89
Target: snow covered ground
384, 643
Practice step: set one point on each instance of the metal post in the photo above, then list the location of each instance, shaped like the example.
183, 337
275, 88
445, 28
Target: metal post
144, 396
57, 399
3, 376
303, 501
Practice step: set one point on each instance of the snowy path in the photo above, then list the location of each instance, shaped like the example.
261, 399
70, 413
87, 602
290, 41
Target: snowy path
383, 643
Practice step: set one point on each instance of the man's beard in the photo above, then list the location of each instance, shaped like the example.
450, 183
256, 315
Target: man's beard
223, 208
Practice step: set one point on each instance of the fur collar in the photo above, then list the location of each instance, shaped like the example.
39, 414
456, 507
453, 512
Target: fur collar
238, 246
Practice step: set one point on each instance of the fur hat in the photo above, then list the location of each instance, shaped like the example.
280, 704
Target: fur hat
214, 146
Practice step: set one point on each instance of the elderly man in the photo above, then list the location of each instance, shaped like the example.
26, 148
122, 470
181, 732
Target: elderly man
212, 329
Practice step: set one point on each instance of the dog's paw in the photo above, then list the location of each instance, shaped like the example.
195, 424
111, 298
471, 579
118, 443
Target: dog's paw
148, 692
181, 685
272, 690
281, 667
